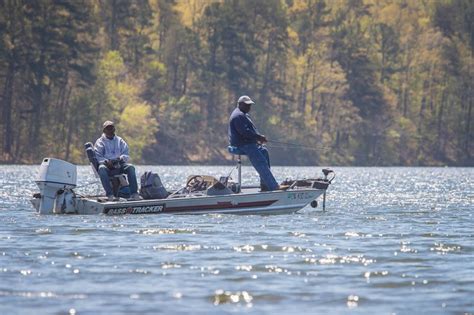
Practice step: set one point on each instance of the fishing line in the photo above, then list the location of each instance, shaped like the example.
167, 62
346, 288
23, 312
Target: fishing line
324, 150
295, 145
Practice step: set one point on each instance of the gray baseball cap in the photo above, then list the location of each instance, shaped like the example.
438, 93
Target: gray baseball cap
107, 123
245, 99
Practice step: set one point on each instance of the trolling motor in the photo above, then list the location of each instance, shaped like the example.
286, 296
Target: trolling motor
323, 183
326, 172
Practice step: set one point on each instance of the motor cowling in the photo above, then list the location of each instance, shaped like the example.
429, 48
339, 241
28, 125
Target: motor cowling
55, 180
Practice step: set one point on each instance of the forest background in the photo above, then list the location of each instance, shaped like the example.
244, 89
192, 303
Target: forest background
356, 82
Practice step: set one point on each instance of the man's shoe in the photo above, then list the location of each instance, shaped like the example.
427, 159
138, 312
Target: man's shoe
134, 197
112, 198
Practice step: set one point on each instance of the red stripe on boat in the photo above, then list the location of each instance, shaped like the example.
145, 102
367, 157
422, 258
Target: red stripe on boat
223, 205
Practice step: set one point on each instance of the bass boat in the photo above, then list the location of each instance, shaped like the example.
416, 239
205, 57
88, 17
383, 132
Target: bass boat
57, 182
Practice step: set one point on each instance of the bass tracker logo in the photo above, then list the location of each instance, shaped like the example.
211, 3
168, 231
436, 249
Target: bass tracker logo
135, 210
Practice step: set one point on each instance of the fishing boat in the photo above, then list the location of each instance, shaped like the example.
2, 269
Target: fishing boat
57, 181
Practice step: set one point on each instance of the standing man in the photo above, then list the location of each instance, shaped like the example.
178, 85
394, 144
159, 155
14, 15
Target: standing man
112, 154
244, 135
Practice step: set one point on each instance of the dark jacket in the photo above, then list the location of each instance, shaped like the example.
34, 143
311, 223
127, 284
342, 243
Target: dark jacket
241, 129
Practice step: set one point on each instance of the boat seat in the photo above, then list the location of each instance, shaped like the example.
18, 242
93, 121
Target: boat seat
235, 150
89, 147
117, 179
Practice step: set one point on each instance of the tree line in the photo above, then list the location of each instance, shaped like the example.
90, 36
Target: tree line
346, 82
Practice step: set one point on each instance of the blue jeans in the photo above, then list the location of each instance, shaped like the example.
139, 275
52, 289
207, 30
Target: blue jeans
129, 169
260, 159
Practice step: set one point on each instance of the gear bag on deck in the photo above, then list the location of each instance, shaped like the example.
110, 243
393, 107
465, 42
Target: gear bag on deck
151, 186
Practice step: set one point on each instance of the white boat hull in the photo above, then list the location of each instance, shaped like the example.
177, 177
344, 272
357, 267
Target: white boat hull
247, 202
57, 180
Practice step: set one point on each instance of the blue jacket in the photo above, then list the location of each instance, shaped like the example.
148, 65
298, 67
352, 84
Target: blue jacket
241, 129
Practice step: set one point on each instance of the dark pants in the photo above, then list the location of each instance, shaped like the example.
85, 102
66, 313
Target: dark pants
105, 173
260, 159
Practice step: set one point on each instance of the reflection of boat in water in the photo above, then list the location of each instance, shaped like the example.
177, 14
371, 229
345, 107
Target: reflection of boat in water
57, 179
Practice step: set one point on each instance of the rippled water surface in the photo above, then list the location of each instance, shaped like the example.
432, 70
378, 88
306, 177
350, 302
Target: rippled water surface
393, 240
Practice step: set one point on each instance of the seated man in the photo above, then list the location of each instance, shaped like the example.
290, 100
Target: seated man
244, 135
112, 153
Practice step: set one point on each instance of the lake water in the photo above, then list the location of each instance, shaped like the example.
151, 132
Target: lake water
392, 240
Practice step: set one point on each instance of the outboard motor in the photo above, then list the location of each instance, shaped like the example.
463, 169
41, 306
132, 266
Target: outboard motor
55, 177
